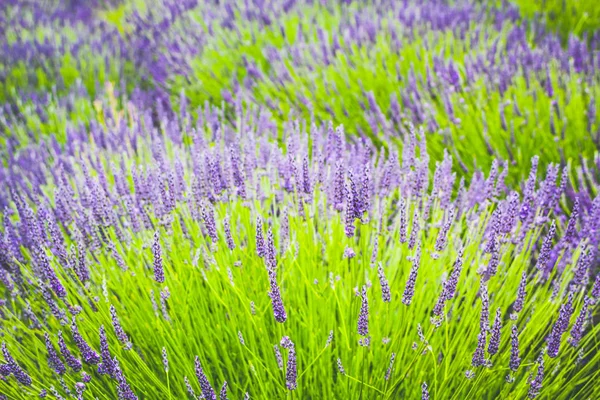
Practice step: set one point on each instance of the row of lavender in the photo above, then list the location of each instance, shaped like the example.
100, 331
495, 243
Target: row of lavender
460, 70
90, 228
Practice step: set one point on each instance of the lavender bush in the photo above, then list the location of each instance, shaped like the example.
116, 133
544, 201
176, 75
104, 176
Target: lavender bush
121, 279
293, 199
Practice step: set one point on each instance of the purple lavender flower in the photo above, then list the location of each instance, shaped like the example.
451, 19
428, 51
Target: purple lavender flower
164, 296
329, 338
270, 251
536, 383
442, 239
278, 356
375, 250
560, 327
54, 361
424, 391
86, 378
123, 389
414, 233
228, 237
223, 392
276, 302
205, 387
409, 289
402, 228
339, 188
237, 168
494, 261
189, 388
449, 289
485, 307
363, 317
581, 277
260, 242
577, 330
479, 354
495, 337
58, 312
350, 215
515, 359
544, 255
349, 253
73, 362
388, 373
529, 189
81, 268
19, 373
208, 217
106, 367
79, 389
5, 370
385, 287
571, 235
306, 184
165, 359
88, 354
121, 335
159, 273
521, 293
290, 370
341, 366
596, 287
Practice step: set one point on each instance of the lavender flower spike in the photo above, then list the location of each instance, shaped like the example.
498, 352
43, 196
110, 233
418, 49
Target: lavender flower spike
536, 384
495, 338
17, 371
409, 290
521, 293
159, 273
123, 389
276, 302
515, 358
189, 388
223, 392
260, 241
121, 335
385, 287
560, 327
290, 371
73, 362
388, 373
106, 367
577, 330
479, 354
424, 391
363, 317
89, 356
545, 250
341, 367
54, 361
596, 288
207, 390
228, 237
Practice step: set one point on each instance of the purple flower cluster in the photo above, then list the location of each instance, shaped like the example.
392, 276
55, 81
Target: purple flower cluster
290, 370
560, 326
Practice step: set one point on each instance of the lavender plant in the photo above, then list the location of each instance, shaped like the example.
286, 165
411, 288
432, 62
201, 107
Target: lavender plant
297, 199
150, 213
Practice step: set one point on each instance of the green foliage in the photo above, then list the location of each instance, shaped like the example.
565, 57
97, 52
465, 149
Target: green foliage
578, 17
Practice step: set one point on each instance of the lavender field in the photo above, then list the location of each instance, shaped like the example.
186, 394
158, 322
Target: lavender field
299, 199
